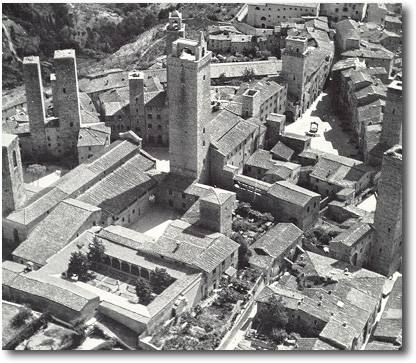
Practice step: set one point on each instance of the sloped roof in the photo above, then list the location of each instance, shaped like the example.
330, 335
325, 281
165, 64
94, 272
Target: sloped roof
93, 136
122, 187
291, 193
55, 231
193, 246
278, 239
282, 151
352, 234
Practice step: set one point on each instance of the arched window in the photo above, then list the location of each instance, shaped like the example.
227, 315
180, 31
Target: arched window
263, 18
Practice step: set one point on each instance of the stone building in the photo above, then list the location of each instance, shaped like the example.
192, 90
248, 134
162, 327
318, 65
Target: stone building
67, 104
333, 173
386, 250
92, 139
353, 245
306, 62
268, 15
340, 11
35, 105
379, 138
189, 84
174, 30
13, 190
347, 35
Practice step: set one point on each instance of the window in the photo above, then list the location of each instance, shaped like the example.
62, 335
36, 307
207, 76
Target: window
203, 77
149, 115
71, 124
183, 206
308, 209
158, 117
183, 195
89, 148
133, 211
149, 126
64, 90
14, 159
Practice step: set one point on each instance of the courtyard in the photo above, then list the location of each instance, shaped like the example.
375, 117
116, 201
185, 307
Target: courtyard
155, 221
331, 136
162, 156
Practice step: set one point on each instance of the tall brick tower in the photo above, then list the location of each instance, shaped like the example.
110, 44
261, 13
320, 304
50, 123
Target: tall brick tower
66, 100
13, 190
35, 105
391, 133
386, 251
136, 95
188, 75
174, 30
293, 65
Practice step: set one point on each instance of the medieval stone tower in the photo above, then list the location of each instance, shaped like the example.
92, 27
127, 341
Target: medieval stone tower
216, 210
136, 94
188, 76
13, 190
293, 65
174, 30
35, 105
386, 251
66, 100
391, 133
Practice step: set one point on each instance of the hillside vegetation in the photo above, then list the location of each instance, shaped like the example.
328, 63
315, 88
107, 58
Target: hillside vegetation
95, 31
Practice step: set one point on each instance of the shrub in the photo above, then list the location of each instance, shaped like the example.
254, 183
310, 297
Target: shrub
79, 265
96, 250
20, 318
143, 291
160, 280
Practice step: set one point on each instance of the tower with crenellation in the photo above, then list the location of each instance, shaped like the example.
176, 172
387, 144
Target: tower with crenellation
189, 82
174, 30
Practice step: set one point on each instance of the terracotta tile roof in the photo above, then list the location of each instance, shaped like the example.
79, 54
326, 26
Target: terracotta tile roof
56, 290
284, 190
277, 240
282, 151
353, 234
194, 246
55, 231
93, 136
122, 187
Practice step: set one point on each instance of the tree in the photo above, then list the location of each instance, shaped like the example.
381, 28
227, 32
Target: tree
160, 280
248, 75
272, 315
227, 296
96, 250
143, 291
244, 252
79, 265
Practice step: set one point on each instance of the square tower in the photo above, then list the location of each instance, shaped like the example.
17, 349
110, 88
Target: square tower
293, 65
251, 103
391, 132
35, 105
189, 81
13, 190
66, 100
216, 211
136, 95
174, 30
386, 251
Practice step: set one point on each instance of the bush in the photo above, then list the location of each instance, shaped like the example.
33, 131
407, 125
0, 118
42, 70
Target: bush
160, 280
79, 264
96, 251
20, 318
143, 291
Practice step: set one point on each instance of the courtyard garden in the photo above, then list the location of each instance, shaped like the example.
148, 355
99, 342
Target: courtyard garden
204, 326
